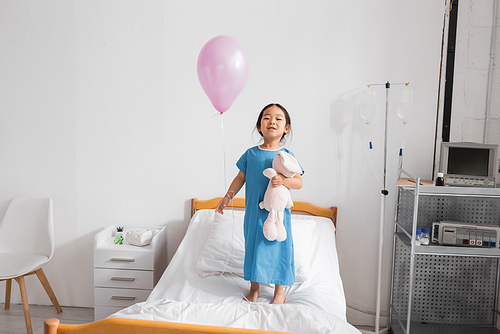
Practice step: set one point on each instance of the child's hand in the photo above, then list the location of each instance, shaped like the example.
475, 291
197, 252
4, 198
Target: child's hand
277, 180
222, 204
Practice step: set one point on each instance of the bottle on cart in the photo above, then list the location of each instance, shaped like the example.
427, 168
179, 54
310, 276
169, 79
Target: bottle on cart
439, 180
418, 236
425, 236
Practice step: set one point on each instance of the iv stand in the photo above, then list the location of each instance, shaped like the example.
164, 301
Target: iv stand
383, 198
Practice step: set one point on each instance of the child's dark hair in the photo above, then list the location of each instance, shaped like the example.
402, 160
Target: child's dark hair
285, 112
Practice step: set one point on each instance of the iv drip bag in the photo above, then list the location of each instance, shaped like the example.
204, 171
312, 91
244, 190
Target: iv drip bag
405, 104
368, 105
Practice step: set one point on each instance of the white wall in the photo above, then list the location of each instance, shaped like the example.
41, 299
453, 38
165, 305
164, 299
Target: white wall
101, 110
470, 82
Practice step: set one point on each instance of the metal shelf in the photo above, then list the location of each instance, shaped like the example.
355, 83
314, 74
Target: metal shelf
426, 328
457, 191
444, 288
433, 249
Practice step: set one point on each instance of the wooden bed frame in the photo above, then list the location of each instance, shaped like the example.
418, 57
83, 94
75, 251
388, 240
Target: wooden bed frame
240, 203
132, 326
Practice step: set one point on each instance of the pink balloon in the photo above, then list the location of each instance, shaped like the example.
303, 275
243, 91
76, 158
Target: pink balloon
223, 70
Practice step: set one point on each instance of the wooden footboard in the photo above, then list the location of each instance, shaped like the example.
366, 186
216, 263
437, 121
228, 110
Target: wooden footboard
132, 326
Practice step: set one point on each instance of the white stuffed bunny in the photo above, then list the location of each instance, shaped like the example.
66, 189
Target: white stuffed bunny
276, 199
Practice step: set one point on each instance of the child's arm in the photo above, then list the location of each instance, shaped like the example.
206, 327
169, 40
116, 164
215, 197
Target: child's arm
295, 182
235, 186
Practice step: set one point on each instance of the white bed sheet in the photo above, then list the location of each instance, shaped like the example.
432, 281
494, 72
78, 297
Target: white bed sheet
316, 305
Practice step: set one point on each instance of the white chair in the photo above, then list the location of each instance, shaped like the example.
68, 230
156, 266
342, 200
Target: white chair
26, 244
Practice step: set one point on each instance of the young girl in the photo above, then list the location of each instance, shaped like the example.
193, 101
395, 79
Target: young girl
266, 261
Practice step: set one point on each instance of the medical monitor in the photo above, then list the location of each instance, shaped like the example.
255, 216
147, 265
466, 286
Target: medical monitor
469, 164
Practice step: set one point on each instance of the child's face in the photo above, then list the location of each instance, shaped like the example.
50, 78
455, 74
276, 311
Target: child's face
273, 123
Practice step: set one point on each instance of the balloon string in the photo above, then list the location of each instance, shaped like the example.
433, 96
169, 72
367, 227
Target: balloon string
230, 198
223, 148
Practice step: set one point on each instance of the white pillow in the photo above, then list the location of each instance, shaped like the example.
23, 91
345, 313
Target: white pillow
224, 251
303, 244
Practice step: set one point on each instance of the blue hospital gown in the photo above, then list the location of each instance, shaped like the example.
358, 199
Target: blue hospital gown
265, 261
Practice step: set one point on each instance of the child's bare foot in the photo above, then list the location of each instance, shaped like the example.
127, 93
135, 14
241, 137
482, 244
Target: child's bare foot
252, 296
254, 292
279, 298
279, 294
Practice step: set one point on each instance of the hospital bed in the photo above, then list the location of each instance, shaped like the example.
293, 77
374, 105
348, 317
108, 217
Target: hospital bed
202, 290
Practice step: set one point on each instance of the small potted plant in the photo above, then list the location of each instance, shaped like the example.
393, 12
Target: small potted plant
119, 230
119, 235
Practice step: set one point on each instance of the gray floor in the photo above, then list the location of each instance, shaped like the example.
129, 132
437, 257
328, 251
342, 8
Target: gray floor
12, 320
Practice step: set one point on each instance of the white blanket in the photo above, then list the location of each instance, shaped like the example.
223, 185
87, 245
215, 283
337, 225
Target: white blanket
185, 294
286, 318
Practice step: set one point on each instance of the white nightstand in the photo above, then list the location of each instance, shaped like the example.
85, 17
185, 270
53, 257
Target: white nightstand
125, 274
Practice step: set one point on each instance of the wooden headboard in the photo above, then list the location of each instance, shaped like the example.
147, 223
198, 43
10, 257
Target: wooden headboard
240, 203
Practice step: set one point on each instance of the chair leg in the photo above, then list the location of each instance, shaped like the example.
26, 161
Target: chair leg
46, 285
26, 308
8, 287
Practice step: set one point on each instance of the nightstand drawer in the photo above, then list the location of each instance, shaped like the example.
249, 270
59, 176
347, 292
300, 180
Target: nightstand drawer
119, 297
125, 274
119, 278
106, 258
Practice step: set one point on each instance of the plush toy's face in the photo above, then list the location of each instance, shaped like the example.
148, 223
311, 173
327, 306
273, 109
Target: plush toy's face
278, 167
286, 164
